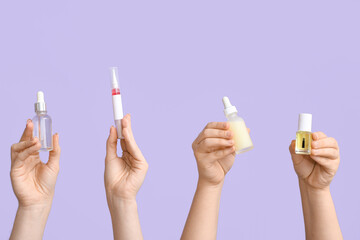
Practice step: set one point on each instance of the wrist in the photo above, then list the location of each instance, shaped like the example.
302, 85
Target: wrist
115, 203
36, 213
204, 184
306, 187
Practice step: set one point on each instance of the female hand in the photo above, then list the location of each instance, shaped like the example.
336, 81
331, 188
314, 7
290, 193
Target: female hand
214, 152
32, 180
124, 175
318, 169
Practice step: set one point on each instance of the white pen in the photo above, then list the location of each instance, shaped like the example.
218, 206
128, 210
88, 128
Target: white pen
116, 100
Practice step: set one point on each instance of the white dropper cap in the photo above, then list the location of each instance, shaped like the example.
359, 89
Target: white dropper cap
305, 122
114, 77
228, 108
40, 105
40, 97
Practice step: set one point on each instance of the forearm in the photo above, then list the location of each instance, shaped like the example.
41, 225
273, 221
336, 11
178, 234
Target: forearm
319, 214
204, 212
30, 222
125, 219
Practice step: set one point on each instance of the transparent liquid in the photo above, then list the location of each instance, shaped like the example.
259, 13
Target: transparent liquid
43, 130
303, 143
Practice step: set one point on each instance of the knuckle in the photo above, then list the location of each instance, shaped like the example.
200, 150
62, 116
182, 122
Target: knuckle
333, 141
193, 145
220, 133
209, 124
146, 165
206, 133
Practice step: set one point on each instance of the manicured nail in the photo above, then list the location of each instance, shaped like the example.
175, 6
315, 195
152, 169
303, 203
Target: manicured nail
228, 134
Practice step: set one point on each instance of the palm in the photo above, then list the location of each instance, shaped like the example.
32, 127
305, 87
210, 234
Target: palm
33, 181
216, 171
124, 176
303, 165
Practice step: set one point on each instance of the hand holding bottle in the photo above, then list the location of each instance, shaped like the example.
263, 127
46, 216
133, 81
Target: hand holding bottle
33, 181
214, 152
318, 169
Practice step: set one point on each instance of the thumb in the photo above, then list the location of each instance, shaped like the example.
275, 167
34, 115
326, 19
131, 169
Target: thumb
54, 155
111, 144
292, 147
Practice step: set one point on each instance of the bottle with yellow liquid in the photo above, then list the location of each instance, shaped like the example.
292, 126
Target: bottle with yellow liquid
304, 135
241, 138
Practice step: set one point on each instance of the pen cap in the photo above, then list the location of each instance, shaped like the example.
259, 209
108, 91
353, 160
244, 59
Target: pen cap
114, 77
305, 122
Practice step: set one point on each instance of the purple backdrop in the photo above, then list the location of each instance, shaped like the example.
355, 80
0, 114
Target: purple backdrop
177, 59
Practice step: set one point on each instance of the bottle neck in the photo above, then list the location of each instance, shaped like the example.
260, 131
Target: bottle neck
41, 112
232, 115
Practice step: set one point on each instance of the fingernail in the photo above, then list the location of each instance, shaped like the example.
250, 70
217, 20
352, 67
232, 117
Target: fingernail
231, 141
28, 121
228, 134
315, 137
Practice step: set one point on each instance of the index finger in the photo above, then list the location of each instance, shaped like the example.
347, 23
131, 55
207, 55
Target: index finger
130, 142
218, 125
18, 147
27, 134
318, 135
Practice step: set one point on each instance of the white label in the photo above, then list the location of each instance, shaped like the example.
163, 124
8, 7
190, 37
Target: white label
117, 107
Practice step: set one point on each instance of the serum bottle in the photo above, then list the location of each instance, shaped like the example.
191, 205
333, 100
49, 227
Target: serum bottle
42, 124
242, 138
304, 135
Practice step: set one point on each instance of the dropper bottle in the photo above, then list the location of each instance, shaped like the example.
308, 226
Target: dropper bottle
241, 138
42, 124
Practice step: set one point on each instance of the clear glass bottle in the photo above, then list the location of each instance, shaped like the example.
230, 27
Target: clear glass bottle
304, 135
241, 138
42, 124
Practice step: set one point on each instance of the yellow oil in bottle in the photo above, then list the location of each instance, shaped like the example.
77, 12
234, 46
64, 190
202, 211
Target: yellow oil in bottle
303, 143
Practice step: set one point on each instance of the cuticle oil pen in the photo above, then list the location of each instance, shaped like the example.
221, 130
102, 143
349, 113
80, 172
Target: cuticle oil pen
241, 138
116, 101
304, 135
42, 124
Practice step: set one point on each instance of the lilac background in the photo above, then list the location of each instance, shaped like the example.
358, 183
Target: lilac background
274, 59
